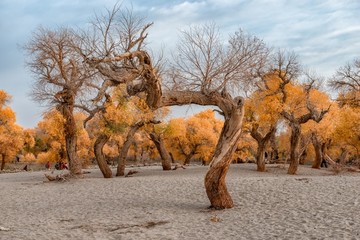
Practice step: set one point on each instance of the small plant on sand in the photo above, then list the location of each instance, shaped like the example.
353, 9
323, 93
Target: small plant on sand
215, 218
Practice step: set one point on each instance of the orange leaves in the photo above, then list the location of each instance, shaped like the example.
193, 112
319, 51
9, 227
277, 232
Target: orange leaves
4, 98
347, 130
7, 115
51, 131
194, 137
11, 138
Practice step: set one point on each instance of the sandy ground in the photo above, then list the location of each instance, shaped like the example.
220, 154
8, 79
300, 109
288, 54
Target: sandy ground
153, 204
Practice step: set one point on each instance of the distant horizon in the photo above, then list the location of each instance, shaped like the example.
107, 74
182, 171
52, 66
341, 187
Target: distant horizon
324, 34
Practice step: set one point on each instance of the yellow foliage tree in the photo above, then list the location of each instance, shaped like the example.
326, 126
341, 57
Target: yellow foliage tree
11, 137
321, 133
346, 135
262, 113
195, 137
51, 131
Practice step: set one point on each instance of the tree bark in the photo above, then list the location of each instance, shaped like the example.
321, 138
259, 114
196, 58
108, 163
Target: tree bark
67, 110
275, 149
172, 157
294, 142
303, 149
302, 157
262, 141
215, 185
2, 162
160, 146
188, 155
124, 150
188, 158
318, 152
100, 158
295, 124
260, 158
343, 155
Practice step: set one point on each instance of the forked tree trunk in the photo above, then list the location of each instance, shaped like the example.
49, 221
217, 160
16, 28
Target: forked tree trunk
124, 150
262, 141
215, 185
295, 124
160, 146
2, 162
99, 155
188, 158
294, 142
75, 164
189, 155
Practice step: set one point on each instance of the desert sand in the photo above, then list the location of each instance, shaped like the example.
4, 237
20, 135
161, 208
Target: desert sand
156, 204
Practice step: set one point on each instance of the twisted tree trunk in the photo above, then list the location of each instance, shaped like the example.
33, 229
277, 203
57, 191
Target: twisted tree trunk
124, 150
294, 142
295, 124
232, 109
2, 162
99, 155
188, 157
262, 141
215, 185
165, 156
67, 110
318, 152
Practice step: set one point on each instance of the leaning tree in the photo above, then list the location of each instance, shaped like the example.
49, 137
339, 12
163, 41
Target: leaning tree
205, 72
347, 81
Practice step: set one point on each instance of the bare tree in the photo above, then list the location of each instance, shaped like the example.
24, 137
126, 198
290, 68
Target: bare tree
113, 32
60, 79
204, 70
347, 80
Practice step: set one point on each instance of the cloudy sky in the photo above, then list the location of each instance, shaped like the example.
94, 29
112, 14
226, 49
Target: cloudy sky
324, 33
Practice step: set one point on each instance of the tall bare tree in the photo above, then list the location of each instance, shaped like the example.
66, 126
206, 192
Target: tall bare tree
347, 80
60, 79
203, 72
115, 32
209, 72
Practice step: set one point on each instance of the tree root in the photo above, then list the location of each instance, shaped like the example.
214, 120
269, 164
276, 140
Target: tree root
131, 172
177, 166
59, 177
